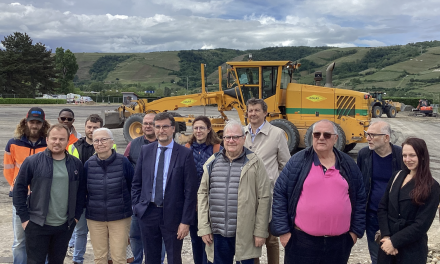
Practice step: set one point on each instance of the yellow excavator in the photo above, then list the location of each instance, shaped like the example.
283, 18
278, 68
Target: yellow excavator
292, 107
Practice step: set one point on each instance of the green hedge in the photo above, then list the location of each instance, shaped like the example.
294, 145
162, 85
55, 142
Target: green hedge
31, 101
413, 101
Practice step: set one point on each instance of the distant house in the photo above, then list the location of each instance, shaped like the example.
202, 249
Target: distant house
127, 97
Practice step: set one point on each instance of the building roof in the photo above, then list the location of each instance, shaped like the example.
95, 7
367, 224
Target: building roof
130, 93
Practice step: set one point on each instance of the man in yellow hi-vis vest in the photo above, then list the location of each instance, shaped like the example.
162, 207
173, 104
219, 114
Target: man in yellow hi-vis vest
83, 150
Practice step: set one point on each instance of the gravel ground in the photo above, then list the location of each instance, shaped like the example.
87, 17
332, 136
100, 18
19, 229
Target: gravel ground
404, 126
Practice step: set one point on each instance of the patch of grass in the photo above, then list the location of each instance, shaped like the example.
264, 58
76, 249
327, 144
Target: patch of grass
423, 62
383, 75
426, 75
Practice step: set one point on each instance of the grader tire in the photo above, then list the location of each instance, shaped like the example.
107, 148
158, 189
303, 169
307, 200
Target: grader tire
133, 127
340, 144
349, 147
291, 132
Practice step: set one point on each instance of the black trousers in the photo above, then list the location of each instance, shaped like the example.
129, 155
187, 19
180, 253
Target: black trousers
50, 241
153, 230
306, 249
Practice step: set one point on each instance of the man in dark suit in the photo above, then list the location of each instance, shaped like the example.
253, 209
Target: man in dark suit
164, 193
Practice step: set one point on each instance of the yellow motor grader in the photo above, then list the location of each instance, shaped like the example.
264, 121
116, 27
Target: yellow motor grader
292, 107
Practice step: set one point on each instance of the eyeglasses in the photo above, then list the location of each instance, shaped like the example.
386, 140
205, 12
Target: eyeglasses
372, 135
102, 140
165, 127
199, 128
148, 124
70, 119
326, 135
234, 138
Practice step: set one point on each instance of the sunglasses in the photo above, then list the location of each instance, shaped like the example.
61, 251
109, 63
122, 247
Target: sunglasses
70, 119
326, 135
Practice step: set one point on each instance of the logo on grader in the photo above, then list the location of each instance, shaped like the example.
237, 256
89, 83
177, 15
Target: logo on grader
316, 98
188, 101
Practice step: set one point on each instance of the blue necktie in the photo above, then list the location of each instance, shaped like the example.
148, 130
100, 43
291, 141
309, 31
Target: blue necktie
158, 196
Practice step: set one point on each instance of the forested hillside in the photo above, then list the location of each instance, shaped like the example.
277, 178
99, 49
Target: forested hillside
399, 70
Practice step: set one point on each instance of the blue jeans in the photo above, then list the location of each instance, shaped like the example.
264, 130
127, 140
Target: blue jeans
224, 251
198, 246
372, 227
79, 239
19, 245
136, 242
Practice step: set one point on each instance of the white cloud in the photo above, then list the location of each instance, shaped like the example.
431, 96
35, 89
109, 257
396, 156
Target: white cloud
205, 24
110, 17
198, 7
342, 45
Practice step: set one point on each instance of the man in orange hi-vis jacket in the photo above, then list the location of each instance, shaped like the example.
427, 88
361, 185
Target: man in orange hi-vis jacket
29, 138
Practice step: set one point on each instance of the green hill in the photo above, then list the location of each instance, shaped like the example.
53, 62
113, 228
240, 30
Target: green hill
398, 70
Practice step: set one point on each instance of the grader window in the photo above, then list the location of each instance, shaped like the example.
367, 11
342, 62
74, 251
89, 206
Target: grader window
269, 81
248, 76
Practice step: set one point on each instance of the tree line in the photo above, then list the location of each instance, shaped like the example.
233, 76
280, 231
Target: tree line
27, 68
104, 65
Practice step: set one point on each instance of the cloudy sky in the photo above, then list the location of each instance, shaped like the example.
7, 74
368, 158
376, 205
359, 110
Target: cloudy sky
161, 25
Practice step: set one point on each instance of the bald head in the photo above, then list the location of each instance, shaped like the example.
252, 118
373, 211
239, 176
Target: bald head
383, 127
335, 130
378, 137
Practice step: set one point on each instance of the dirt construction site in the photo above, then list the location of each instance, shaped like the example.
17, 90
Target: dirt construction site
404, 126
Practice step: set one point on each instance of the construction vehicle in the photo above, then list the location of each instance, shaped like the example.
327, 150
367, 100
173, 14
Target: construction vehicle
292, 107
424, 108
380, 106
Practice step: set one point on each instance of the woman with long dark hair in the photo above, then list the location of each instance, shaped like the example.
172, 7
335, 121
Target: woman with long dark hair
204, 142
408, 207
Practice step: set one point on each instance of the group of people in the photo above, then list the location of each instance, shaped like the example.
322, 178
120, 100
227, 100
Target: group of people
230, 199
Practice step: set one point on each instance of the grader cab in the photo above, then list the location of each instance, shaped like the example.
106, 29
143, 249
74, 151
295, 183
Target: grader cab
292, 107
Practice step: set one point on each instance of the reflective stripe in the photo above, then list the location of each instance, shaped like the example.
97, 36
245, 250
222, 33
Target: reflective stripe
73, 151
18, 165
7, 153
9, 166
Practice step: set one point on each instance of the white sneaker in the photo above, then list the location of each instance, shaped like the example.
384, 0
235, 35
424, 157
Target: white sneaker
70, 251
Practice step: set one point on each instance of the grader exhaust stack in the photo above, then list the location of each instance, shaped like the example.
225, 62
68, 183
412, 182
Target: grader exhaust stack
328, 75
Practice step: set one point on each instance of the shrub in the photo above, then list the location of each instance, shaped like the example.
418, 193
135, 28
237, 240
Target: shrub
413, 101
31, 101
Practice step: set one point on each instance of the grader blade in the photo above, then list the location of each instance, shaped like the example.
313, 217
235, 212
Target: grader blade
112, 119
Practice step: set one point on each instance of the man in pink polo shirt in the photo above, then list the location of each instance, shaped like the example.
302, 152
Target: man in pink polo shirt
319, 202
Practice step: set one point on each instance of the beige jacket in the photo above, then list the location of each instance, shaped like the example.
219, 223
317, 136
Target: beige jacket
270, 145
252, 210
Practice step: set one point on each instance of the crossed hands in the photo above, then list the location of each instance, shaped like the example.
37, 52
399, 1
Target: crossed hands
259, 241
388, 247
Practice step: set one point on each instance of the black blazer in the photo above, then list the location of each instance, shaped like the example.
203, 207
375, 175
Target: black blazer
405, 222
180, 199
